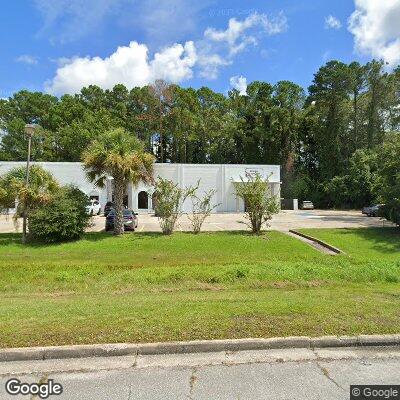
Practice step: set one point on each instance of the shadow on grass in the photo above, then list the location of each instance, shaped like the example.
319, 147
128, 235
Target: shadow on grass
385, 240
7, 239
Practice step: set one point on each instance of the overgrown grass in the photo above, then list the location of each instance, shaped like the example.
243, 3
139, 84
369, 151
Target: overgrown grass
148, 287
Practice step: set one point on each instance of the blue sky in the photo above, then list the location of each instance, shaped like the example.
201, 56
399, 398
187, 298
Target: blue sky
59, 45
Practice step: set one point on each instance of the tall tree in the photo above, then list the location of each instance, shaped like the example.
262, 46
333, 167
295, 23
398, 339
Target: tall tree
357, 76
162, 94
376, 91
330, 92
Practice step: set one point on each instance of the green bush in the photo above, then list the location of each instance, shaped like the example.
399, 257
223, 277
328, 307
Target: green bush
62, 219
260, 203
391, 211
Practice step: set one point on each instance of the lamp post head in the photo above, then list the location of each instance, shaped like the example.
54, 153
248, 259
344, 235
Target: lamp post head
30, 129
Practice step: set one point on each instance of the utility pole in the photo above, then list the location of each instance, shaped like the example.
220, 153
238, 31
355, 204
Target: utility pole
29, 130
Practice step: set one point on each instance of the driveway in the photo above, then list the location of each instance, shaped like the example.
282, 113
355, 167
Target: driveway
283, 221
301, 374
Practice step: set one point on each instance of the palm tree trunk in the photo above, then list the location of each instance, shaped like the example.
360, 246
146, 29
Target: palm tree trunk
24, 225
119, 189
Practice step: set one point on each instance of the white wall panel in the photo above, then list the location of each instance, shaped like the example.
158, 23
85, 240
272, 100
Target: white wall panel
218, 177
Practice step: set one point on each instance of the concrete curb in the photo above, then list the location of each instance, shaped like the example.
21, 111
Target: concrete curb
319, 241
200, 346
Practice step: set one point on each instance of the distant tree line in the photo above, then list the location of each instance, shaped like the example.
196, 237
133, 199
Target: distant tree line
329, 141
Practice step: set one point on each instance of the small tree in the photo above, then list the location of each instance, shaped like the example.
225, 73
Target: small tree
42, 186
259, 202
202, 209
62, 219
170, 199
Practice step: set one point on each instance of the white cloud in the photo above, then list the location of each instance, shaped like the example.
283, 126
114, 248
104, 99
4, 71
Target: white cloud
210, 64
220, 47
332, 22
129, 65
174, 63
376, 29
27, 59
235, 35
239, 83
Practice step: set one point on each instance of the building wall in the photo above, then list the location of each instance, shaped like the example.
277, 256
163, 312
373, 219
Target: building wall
220, 177
65, 173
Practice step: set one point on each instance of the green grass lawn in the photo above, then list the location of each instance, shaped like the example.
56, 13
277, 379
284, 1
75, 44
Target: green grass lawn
148, 287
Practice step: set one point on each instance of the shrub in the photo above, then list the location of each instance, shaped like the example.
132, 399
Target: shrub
202, 209
391, 211
62, 219
259, 201
170, 199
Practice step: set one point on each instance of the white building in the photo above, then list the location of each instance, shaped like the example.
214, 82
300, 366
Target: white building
220, 177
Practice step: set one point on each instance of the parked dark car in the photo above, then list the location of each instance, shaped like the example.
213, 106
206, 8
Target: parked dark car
108, 207
373, 211
130, 220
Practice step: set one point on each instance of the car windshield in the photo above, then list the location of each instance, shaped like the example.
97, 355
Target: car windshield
126, 213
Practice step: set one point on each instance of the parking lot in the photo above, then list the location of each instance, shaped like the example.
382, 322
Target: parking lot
283, 221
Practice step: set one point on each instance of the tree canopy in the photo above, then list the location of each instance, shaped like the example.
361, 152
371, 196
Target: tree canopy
322, 138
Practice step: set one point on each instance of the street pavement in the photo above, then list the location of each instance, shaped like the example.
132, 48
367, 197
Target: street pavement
287, 374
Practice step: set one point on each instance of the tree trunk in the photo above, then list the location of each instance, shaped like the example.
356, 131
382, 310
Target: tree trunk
161, 135
355, 106
24, 225
119, 190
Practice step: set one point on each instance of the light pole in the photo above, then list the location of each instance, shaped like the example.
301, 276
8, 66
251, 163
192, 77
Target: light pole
29, 130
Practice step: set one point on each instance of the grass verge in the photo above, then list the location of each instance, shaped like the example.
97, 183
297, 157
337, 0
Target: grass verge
147, 287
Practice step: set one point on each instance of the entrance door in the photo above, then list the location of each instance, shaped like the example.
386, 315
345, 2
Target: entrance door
143, 200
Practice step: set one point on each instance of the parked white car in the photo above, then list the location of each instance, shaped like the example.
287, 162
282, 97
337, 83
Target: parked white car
93, 208
307, 205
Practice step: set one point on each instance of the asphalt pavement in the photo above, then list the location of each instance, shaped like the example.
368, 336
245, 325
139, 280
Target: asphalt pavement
285, 374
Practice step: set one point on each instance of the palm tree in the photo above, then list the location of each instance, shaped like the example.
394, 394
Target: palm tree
42, 186
118, 154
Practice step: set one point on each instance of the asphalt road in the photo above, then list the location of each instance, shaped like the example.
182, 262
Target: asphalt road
271, 374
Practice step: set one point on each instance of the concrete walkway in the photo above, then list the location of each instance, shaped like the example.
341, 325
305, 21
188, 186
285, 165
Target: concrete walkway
283, 221
314, 244
280, 374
